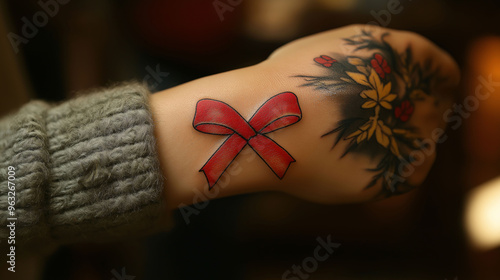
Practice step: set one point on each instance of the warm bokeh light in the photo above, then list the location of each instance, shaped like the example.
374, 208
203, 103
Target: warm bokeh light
338, 5
482, 215
274, 20
482, 137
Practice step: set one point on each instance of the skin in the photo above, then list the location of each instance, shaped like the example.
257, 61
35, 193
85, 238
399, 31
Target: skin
319, 173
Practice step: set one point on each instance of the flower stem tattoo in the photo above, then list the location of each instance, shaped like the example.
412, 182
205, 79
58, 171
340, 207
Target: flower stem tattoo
218, 118
377, 94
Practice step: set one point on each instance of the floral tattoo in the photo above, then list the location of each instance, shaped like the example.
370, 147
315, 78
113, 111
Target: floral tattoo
377, 94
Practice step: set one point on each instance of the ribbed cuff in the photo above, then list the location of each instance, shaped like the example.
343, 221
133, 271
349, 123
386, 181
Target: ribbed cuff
97, 173
23, 145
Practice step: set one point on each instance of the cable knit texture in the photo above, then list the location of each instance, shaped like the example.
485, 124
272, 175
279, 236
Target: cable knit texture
86, 169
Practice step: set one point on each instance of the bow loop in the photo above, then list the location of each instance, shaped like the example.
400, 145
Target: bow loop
278, 112
216, 117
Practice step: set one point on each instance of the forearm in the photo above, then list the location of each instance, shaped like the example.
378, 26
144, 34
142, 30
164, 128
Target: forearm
183, 150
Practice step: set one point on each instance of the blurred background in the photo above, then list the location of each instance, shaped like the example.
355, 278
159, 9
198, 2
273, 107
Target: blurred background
51, 52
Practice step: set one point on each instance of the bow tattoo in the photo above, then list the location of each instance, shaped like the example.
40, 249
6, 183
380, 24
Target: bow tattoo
218, 118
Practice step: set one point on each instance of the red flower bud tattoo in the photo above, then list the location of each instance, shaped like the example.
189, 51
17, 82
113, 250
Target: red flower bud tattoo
404, 111
325, 60
380, 65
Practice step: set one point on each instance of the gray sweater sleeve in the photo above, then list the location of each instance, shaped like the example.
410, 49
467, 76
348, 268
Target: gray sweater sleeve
85, 170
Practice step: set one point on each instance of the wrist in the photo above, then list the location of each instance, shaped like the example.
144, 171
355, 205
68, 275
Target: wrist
183, 151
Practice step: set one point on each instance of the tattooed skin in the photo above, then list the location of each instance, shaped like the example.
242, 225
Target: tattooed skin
218, 118
377, 94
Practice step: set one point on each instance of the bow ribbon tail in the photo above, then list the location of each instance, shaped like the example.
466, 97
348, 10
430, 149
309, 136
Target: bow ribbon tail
222, 158
277, 158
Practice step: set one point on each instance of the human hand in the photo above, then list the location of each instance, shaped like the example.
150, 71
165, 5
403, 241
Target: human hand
359, 114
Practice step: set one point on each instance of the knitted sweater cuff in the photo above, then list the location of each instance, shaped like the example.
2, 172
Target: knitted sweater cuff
86, 169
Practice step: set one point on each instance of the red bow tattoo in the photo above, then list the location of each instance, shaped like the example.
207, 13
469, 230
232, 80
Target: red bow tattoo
218, 118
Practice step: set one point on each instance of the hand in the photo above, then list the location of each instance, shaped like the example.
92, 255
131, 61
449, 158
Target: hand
371, 111
379, 99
